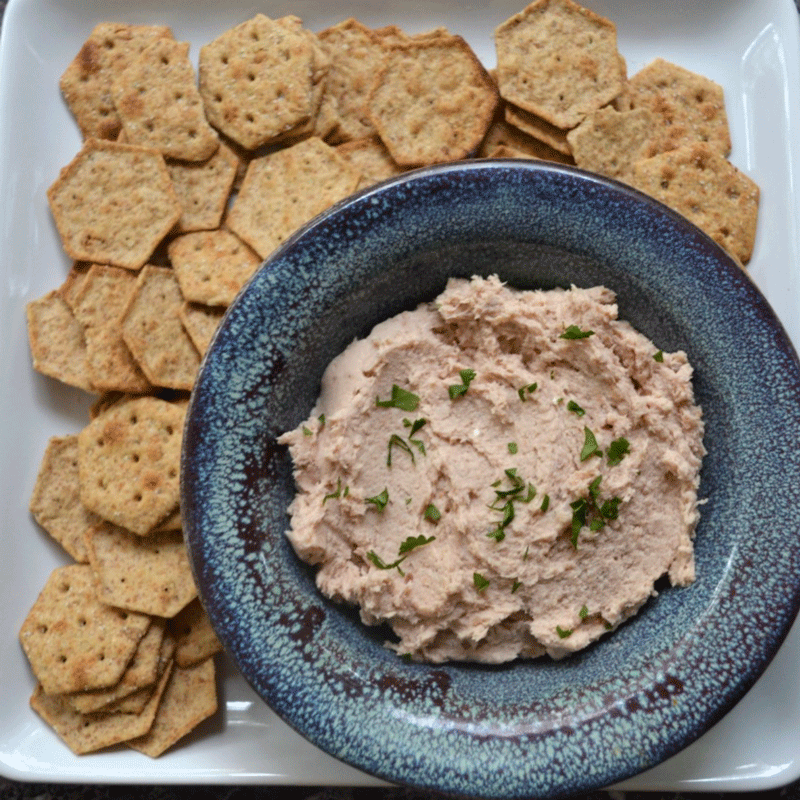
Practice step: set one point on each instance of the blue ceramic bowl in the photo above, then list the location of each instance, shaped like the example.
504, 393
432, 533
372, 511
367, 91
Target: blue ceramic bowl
527, 729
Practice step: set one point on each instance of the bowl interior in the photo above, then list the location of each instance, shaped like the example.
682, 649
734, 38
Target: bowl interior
528, 728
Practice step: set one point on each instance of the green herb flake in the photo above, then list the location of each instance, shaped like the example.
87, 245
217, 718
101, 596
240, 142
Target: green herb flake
610, 509
415, 425
307, 431
530, 495
413, 542
400, 398
498, 534
574, 332
479, 581
515, 586
659, 356
589, 445
584, 612
398, 441
525, 554
456, 390
545, 503
579, 511
596, 524
563, 633
381, 564
523, 390
617, 450
575, 408
432, 513
512, 448
379, 500
336, 494
321, 420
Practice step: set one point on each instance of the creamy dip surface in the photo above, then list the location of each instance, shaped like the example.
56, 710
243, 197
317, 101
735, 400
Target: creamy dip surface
499, 473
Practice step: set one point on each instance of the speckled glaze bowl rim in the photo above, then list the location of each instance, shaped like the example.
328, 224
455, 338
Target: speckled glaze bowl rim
655, 694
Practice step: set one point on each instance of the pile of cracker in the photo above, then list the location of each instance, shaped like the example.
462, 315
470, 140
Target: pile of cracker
186, 180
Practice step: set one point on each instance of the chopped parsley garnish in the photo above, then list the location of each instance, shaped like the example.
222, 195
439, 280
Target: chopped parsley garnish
617, 450
574, 332
579, 508
584, 612
456, 390
515, 586
432, 513
398, 441
588, 511
545, 503
321, 420
400, 398
337, 493
531, 387
589, 445
498, 534
512, 448
307, 431
380, 500
415, 425
381, 564
413, 542
479, 581
575, 408
563, 633
659, 356
525, 554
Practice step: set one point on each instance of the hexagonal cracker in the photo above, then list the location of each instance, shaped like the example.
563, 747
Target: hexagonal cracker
113, 204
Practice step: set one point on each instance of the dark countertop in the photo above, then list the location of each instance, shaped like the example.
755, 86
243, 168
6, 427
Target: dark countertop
12, 790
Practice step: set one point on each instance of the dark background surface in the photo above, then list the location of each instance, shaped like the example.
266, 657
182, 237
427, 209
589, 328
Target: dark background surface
12, 790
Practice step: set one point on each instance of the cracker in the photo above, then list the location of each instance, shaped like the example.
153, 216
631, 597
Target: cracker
212, 266
73, 641
189, 698
356, 55
256, 80
129, 460
113, 204
691, 107
201, 323
371, 158
154, 334
203, 188
559, 61
195, 638
285, 189
432, 102
103, 296
158, 102
88, 733
86, 82
148, 574
610, 142
708, 190
142, 671
57, 343
538, 128
70, 288
503, 135
55, 502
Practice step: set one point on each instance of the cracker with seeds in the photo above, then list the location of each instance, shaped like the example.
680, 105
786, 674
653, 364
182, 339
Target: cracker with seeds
371, 158
73, 641
501, 134
55, 502
356, 55
256, 80
86, 82
153, 332
559, 61
142, 671
148, 574
189, 698
113, 204
203, 188
689, 107
432, 102
88, 733
159, 104
212, 266
57, 343
195, 638
103, 296
610, 142
708, 190
538, 128
285, 189
201, 323
129, 460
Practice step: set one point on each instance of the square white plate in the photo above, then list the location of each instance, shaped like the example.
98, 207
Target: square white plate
751, 49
